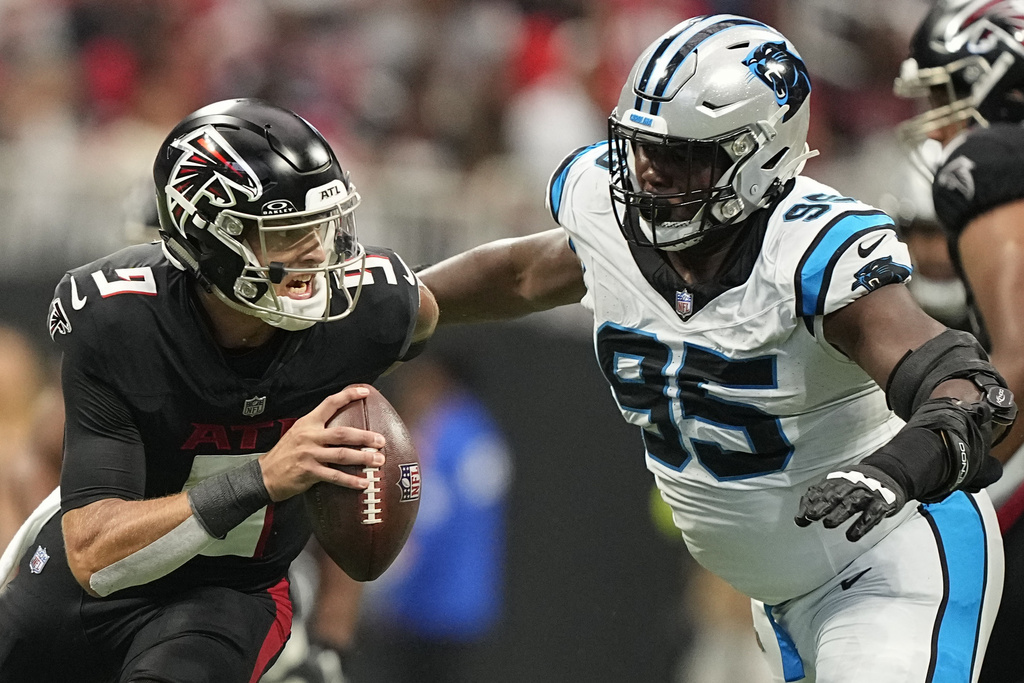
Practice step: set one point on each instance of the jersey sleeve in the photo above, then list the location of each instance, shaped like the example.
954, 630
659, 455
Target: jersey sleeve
854, 252
392, 291
576, 170
103, 452
980, 174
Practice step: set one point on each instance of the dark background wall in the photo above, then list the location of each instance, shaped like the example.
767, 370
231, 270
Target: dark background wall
593, 592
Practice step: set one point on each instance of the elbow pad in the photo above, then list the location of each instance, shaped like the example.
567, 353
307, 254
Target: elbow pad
951, 355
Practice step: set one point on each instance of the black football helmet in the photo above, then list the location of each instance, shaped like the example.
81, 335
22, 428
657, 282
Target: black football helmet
241, 174
967, 58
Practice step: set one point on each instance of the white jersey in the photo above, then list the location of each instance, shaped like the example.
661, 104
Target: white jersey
742, 402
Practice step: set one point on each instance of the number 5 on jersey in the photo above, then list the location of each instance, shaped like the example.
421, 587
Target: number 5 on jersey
130, 281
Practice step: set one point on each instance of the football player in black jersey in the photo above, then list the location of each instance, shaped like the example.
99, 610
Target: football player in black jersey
967, 59
198, 373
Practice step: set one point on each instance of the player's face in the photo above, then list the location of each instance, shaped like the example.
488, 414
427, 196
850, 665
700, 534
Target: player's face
296, 248
678, 170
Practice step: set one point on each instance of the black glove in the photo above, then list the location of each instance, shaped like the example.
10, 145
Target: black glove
840, 495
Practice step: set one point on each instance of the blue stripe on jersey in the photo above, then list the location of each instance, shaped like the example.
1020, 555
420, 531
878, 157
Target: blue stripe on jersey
668, 70
792, 665
814, 274
558, 177
963, 552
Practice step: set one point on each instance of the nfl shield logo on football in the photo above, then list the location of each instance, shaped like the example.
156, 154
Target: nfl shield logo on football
684, 304
38, 561
410, 481
254, 406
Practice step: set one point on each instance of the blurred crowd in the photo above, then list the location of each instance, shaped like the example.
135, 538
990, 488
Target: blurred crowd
450, 114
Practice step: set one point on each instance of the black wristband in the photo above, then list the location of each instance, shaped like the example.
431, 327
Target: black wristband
222, 502
916, 458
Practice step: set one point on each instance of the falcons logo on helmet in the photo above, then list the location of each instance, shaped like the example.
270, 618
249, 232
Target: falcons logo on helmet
208, 169
973, 25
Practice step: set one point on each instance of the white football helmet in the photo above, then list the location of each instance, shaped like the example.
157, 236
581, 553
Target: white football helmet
721, 92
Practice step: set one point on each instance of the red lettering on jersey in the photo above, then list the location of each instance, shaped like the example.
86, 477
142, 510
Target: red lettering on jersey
250, 432
214, 435
286, 423
222, 437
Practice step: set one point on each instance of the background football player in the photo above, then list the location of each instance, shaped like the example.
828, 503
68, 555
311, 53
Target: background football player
747, 319
966, 65
198, 374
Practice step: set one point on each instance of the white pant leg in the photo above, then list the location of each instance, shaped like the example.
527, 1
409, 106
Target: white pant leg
918, 606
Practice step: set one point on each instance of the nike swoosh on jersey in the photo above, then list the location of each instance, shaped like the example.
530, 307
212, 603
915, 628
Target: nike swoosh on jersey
77, 302
408, 274
846, 583
864, 252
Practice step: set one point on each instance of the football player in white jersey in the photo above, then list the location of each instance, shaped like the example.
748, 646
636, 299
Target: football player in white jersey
754, 324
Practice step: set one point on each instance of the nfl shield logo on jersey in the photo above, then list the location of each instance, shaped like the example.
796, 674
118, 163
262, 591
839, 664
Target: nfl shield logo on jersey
254, 406
38, 561
684, 304
410, 481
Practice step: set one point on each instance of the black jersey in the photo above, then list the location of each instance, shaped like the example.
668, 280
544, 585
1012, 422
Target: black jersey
154, 405
981, 172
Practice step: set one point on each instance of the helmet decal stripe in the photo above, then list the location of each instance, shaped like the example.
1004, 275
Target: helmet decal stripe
656, 55
661, 71
692, 44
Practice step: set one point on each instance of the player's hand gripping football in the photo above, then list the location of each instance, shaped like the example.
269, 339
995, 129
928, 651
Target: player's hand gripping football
863, 489
305, 453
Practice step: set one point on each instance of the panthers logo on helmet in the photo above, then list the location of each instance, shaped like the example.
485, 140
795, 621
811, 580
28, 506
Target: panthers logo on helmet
881, 271
783, 72
208, 169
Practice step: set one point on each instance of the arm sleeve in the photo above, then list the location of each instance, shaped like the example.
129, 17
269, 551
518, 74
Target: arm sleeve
103, 452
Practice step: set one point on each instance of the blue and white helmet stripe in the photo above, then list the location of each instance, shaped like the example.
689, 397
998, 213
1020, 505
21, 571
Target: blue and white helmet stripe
661, 73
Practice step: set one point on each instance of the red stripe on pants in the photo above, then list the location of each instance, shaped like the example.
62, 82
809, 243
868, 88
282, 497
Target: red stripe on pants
279, 630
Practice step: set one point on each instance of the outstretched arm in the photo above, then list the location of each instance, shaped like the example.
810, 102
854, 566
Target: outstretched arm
506, 279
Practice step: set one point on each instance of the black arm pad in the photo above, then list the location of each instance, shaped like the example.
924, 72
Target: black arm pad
951, 355
223, 501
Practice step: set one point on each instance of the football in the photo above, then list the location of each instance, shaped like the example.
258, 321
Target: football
363, 531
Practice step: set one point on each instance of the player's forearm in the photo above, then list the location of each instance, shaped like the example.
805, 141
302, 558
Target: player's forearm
506, 279
102, 534
478, 285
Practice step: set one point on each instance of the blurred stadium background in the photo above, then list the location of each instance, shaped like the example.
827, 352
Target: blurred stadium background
450, 115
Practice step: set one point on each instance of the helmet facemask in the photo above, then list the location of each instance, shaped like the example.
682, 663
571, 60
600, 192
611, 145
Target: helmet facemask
269, 244
700, 173
953, 94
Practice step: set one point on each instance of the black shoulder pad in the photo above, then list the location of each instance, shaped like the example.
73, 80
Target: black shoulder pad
982, 173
